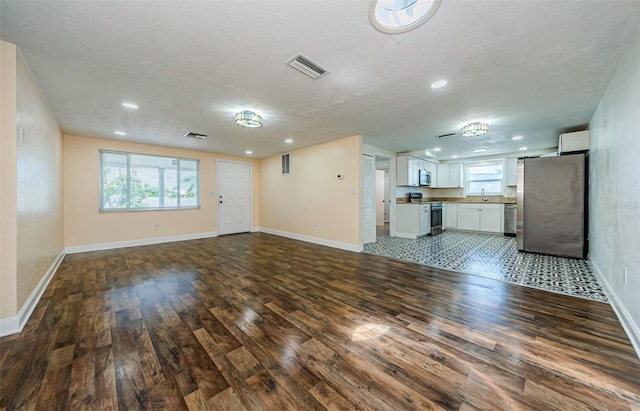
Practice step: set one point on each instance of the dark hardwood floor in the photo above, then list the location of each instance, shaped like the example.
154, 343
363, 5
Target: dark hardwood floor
259, 322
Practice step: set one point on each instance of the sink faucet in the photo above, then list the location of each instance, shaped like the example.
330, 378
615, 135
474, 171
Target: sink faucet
484, 197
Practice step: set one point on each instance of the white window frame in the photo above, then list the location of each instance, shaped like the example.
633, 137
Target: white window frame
101, 154
469, 165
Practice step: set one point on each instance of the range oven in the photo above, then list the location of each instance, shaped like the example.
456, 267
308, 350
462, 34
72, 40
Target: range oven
436, 217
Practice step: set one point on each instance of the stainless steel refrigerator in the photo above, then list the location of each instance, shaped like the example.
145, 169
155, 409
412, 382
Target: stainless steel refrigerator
552, 205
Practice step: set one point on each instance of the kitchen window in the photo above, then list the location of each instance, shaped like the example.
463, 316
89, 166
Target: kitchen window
130, 181
484, 175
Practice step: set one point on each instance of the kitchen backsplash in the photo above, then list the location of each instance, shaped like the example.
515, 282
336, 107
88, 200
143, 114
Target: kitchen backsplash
443, 192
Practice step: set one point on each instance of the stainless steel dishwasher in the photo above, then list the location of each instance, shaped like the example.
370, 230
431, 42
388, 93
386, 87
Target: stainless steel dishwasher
510, 219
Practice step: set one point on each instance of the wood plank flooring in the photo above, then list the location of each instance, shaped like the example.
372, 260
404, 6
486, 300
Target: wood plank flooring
259, 322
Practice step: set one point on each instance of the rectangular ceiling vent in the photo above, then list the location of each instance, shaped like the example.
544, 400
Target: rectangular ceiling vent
199, 136
447, 135
307, 66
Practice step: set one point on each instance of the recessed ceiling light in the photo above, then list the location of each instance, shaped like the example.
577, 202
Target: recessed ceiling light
438, 84
479, 150
288, 141
516, 138
120, 133
249, 152
454, 156
522, 148
437, 149
132, 106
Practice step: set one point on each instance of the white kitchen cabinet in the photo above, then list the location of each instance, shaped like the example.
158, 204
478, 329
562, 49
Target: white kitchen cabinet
455, 175
511, 172
576, 141
481, 217
407, 171
451, 217
450, 175
443, 176
413, 220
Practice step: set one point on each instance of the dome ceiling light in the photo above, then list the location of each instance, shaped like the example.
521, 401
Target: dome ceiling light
248, 119
398, 16
475, 129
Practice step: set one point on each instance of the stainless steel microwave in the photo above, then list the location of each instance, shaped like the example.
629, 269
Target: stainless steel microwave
425, 178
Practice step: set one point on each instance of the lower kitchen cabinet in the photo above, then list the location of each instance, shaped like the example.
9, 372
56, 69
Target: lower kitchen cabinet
480, 217
451, 216
413, 220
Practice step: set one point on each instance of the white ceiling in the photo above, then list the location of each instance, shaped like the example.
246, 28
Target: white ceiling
533, 68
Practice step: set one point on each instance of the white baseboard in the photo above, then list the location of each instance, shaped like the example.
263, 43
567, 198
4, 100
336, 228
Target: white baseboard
406, 235
135, 243
12, 325
629, 325
315, 240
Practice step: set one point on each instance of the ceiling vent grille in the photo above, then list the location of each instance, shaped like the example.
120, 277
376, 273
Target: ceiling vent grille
447, 135
307, 66
199, 136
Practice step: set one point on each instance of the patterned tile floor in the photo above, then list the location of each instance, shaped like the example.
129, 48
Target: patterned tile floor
493, 256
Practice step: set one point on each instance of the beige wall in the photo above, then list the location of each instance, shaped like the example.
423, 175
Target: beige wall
39, 184
8, 209
311, 201
84, 225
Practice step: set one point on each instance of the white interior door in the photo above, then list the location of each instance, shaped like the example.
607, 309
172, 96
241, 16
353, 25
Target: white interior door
379, 197
368, 200
234, 197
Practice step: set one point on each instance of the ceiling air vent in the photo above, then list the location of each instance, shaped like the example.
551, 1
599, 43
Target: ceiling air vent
447, 135
307, 66
195, 135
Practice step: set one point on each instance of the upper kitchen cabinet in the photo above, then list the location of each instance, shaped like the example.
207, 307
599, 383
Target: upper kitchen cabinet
511, 171
407, 171
573, 142
433, 169
450, 175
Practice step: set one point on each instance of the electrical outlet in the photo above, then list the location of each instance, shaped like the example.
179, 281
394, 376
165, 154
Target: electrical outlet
317, 227
624, 275
156, 226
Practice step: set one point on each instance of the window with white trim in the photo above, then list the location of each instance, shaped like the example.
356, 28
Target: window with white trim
487, 175
130, 181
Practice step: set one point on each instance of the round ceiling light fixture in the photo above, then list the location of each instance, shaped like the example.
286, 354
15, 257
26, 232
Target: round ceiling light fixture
475, 129
398, 16
248, 119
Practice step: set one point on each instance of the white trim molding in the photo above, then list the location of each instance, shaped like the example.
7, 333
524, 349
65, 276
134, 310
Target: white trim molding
315, 240
629, 325
135, 243
13, 325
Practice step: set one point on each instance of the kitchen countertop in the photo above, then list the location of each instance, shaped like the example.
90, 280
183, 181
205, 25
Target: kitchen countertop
491, 200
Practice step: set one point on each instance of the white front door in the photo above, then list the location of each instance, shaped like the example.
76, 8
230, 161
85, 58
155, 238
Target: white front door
234, 197
368, 199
